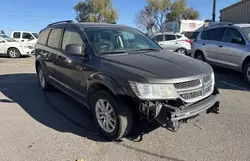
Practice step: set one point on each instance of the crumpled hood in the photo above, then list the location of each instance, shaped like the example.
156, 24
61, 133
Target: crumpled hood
157, 65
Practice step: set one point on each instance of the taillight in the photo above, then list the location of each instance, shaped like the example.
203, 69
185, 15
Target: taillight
188, 41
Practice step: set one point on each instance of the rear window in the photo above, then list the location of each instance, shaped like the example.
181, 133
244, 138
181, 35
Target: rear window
213, 34
192, 35
169, 37
55, 38
16, 35
158, 38
43, 37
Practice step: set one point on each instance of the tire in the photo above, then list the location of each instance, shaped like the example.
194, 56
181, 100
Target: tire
121, 114
182, 51
42, 79
199, 55
247, 72
13, 53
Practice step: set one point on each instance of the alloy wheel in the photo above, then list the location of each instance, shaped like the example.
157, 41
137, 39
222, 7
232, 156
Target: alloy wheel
105, 115
13, 53
41, 78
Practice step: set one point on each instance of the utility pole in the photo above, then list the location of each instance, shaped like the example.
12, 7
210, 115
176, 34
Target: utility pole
214, 10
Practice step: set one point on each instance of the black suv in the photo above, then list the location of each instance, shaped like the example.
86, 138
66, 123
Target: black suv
117, 71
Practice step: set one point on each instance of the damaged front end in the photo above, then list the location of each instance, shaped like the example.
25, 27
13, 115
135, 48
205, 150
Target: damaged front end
171, 113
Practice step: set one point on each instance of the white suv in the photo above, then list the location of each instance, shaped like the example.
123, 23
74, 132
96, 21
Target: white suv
173, 42
226, 45
13, 48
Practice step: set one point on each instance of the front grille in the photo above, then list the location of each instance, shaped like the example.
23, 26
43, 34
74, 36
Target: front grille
191, 95
195, 90
188, 84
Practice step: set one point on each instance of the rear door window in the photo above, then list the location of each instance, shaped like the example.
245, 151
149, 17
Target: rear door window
169, 37
55, 38
216, 34
44, 37
158, 38
16, 35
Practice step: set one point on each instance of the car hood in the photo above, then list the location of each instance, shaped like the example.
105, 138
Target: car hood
158, 67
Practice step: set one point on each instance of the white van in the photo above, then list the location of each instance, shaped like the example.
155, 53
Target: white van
24, 36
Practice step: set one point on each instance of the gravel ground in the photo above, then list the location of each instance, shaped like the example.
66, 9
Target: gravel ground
51, 126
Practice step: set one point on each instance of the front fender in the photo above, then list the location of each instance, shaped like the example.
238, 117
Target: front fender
111, 84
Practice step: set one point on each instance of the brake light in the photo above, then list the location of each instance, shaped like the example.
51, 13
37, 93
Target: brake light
188, 41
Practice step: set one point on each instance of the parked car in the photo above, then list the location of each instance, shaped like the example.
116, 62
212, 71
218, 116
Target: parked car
226, 45
13, 48
173, 42
25, 36
115, 70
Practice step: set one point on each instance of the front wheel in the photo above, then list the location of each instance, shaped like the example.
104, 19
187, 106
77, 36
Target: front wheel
199, 55
113, 118
42, 79
14, 53
247, 73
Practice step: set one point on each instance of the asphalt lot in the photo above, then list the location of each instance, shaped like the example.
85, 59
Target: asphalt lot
51, 126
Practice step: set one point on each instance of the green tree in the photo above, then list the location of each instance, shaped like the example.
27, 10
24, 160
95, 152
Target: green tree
96, 11
179, 10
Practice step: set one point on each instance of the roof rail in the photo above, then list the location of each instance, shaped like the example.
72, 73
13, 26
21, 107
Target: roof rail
212, 24
65, 21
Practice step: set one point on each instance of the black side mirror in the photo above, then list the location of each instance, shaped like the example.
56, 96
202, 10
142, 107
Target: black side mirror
237, 40
74, 49
1, 41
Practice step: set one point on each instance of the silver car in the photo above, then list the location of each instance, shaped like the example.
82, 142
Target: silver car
225, 45
173, 42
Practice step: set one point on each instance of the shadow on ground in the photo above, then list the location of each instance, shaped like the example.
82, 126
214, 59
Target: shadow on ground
57, 110
229, 79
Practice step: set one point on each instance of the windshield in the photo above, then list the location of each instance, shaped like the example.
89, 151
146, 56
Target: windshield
246, 31
115, 40
7, 38
36, 35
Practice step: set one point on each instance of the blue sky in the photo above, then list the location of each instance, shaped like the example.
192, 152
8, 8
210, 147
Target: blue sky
33, 15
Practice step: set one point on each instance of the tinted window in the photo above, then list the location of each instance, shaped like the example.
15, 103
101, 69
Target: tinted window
204, 35
55, 38
169, 37
192, 35
27, 36
213, 34
43, 37
17, 35
231, 33
71, 37
216, 34
158, 38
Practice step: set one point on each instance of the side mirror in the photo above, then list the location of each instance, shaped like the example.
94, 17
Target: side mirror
1, 41
237, 40
74, 49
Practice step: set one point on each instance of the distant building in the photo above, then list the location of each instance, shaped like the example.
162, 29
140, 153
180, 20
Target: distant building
236, 13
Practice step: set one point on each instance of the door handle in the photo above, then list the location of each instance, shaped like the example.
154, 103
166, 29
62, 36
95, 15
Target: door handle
160, 44
220, 46
203, 44
22, 40
176, 43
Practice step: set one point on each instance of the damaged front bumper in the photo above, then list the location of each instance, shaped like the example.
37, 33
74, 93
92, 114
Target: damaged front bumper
171, 114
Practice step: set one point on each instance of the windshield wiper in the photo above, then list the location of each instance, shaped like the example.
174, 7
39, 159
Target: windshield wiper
114, 52
149, 49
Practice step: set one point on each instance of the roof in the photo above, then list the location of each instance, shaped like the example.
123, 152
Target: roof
167, 33
234, 5
93, 24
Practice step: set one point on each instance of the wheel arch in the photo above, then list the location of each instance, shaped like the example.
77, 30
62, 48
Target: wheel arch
246, 60
99, 82
13, 47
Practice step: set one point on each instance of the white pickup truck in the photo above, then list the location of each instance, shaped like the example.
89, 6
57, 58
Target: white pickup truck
25, 36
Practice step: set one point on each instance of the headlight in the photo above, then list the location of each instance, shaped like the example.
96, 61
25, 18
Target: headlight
213, 79
153, 91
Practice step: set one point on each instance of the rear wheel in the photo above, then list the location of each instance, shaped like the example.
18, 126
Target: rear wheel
14, 53
182, 51
247, 72
113, 118
44, 85
199, 55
